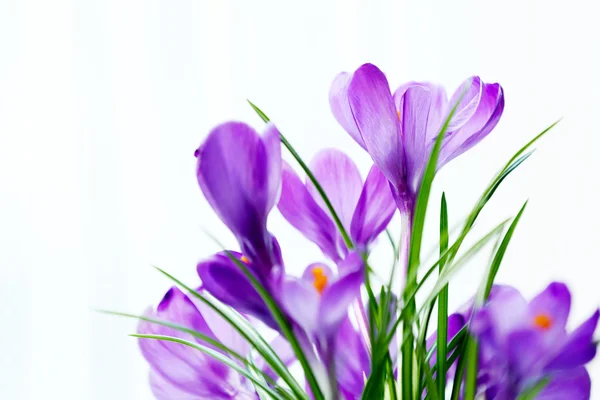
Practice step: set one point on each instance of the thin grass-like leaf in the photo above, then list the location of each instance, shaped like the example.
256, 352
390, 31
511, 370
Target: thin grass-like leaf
442, 328
460, 369
217, 356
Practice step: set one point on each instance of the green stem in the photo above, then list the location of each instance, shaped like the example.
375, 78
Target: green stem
410, 309
442, 331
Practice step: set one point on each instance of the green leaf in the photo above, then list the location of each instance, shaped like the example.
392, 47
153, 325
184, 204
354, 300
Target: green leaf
217, 356
471, 368
460, 369
244, 328
442, 329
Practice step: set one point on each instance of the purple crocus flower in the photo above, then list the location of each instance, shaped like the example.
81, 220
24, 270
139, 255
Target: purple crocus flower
239, 172
364, 209
399, 130
318, 302
179, 372
521, 342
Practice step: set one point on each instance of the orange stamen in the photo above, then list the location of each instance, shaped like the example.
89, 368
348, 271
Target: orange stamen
398, 112
543, 321
320, 279
245, 260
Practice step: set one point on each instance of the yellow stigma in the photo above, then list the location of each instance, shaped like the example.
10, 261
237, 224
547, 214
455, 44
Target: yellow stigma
320, 279
543, 321
245, 260
398, 112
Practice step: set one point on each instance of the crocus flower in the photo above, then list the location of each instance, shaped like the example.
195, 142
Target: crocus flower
364, 209
180, 372
318, 303
399, 130
239, 172
522, 342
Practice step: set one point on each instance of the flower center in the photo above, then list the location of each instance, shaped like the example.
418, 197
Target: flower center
398, 112
245, 260
320, 279
543, 321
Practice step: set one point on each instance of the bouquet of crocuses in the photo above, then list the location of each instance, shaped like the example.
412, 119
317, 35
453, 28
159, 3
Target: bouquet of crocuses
340, 331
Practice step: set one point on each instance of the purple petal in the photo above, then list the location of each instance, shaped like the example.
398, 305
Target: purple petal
239, 173
340, 179
472, 89
352, 360
483, 107
416, 103
338, 296
340, 106
578, 348
375, 209
301, 302
226, 281
505, 312
525, 351
162, 389
300, 209
573, 385
377, 120
437, 111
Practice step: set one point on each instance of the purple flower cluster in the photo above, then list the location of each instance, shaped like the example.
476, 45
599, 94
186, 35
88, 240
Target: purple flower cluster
243, 177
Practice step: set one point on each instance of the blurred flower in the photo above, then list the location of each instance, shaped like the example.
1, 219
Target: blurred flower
180, 372
399, 131
522, 342
364, 209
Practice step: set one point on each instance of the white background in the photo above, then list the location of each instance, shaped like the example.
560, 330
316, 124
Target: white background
102, 104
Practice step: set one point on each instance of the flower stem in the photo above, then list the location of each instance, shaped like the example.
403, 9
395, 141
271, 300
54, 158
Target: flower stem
407, 344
